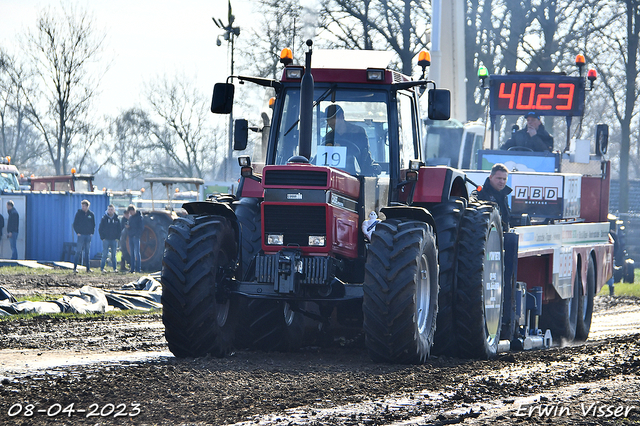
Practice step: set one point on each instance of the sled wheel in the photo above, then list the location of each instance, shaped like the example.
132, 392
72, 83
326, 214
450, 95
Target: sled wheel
585, 308
561, 315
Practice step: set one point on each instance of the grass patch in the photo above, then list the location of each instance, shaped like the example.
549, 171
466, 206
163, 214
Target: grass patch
44, 297
114, 313
23, 270
624, 289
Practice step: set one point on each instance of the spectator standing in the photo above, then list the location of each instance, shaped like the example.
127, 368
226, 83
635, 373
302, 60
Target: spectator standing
135, 232
124, 225
2, 224
109, 230
12, 228
84, 224
496, 190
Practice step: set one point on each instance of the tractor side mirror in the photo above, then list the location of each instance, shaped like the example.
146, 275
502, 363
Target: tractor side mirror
602, 139
439, 104
222, 102
240, 134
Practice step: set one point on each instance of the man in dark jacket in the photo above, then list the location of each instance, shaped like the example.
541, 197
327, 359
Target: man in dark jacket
12, 229
495, 190
533, 137
109, 230
84, 224
123, 241
135, 232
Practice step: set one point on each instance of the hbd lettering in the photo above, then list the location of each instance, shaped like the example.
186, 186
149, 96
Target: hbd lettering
536, 193
586, 410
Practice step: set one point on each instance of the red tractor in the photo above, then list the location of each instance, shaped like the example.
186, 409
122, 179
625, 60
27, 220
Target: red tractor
301, 239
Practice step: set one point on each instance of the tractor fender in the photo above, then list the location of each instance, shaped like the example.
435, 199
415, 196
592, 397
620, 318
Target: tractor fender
409, 212
211, 208
214, 208
439, 184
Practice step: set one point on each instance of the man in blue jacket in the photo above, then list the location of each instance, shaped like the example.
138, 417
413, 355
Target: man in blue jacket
109, 230
135, 227
84, 224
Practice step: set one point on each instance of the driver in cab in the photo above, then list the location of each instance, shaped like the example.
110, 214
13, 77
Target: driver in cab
353, 137
534, 137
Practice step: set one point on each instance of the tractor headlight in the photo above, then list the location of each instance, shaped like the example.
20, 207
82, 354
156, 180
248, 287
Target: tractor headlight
375, 75
294, 73
317, 240
275, 239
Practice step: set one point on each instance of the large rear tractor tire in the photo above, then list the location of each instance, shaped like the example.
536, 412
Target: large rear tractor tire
480, 291
561, 315
585, 307
400, 300
271, 325
198, 316
154, 233
447, 217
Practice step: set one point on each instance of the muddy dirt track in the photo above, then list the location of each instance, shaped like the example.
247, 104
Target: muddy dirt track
116, 370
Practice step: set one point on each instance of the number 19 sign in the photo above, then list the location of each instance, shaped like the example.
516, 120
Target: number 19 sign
546, 94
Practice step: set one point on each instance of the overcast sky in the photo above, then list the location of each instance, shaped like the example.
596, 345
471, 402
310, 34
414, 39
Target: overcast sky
145, 39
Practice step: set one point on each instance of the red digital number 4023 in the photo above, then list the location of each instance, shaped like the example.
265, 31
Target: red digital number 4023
538, 96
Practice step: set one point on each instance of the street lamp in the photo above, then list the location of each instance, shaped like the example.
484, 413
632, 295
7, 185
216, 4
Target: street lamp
229, 34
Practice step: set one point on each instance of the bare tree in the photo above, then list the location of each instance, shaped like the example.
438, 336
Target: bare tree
615, 54
280, 26
183, 133
18, 138
399, 25
131, 134
62, 49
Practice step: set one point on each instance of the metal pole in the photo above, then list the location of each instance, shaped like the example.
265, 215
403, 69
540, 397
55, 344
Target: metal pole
229, 175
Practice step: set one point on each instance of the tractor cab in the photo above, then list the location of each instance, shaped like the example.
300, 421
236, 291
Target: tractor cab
8, 175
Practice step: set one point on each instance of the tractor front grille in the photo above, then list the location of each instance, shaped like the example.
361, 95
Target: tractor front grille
316, 270
295, 222
295, 178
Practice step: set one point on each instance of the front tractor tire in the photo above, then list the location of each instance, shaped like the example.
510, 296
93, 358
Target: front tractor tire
198, 316
480, 283
400, 299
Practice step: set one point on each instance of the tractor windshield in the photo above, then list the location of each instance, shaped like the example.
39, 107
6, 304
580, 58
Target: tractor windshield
350, 130
8, 181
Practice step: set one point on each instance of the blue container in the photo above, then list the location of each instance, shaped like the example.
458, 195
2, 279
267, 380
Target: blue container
49, 222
